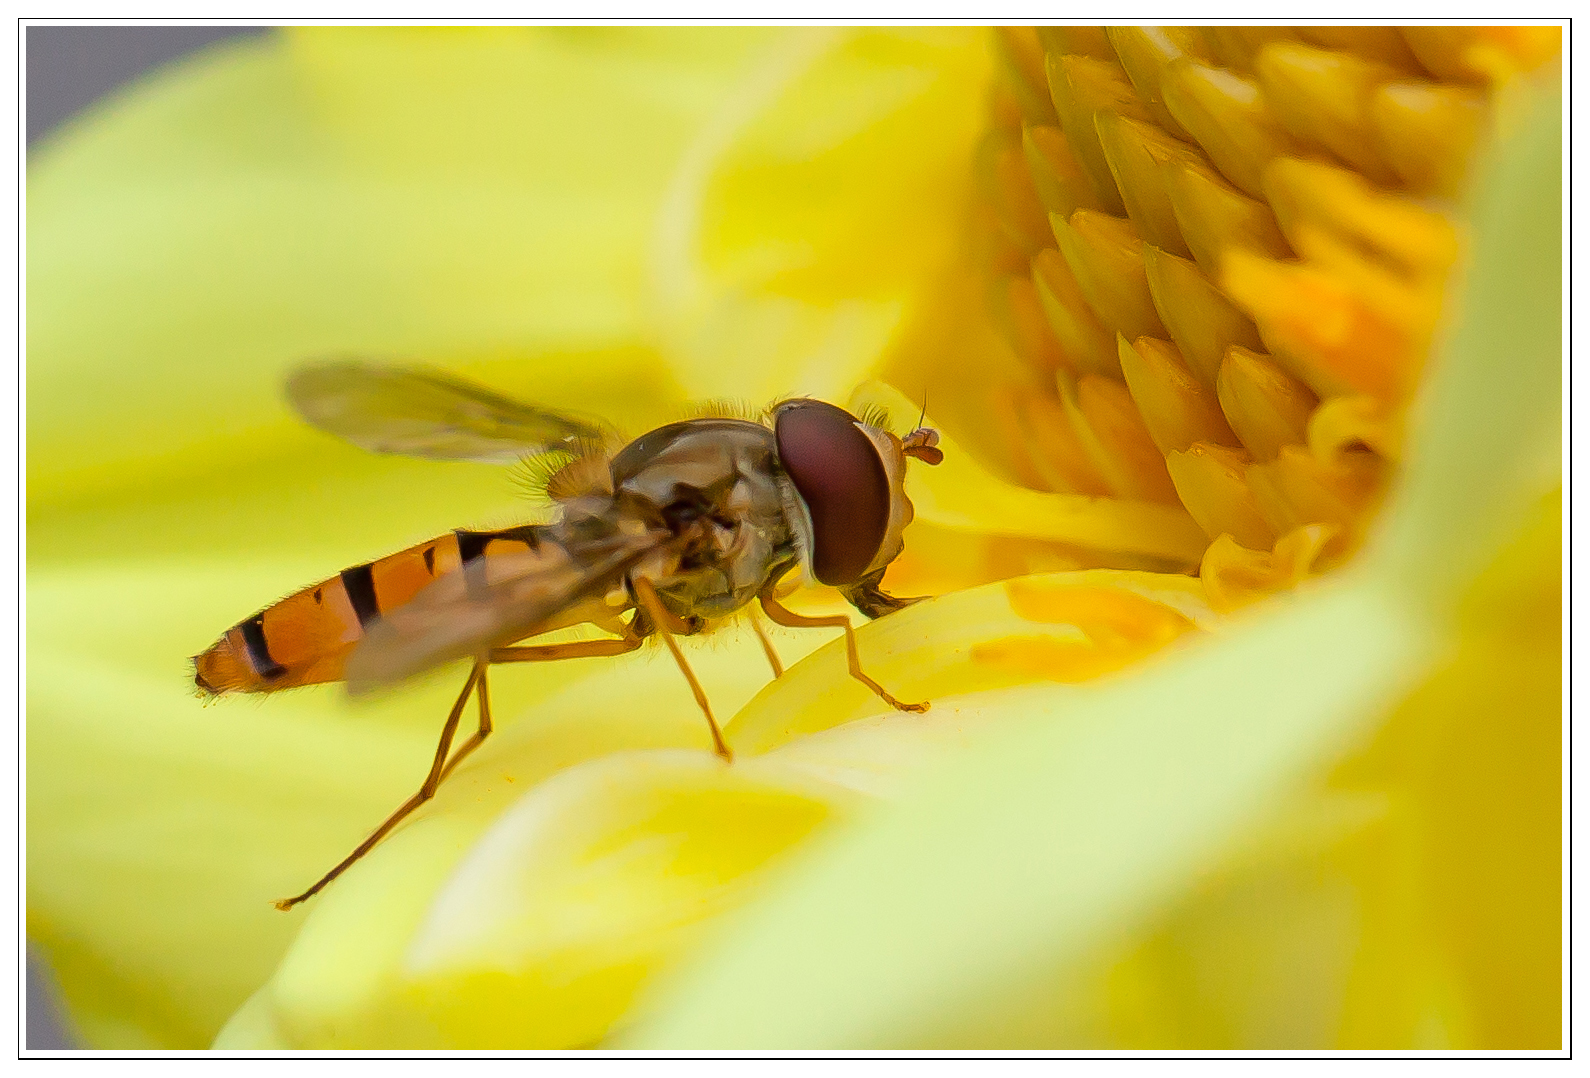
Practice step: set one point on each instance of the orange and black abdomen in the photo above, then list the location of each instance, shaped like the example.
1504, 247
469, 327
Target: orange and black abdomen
305, 638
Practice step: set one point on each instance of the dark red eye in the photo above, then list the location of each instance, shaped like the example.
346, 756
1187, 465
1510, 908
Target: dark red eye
836, 469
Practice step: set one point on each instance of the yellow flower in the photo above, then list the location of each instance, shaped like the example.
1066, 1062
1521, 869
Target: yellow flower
1278, 836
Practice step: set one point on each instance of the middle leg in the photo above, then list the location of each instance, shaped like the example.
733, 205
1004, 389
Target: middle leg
666, 625
767, 644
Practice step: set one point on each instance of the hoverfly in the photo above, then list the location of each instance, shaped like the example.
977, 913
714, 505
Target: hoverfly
685, 524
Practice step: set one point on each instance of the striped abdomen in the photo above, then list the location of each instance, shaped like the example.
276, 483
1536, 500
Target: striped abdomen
306, 638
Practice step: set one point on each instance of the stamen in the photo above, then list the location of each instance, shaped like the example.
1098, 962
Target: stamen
1081, 336
1061, 184
1106, 257
1229, 117
1427, 133
1235, 46
1030, 329
1136, 153
1234, 576
1214, 217
1247, 271
1333, 342
1176, 408
1267, 407
1212, 483
1344, 422
1197, 315
1297, 488
1060, 454
1405, 235
1383, 43
1118, 442
1324, 97
1145, 52
1082, 87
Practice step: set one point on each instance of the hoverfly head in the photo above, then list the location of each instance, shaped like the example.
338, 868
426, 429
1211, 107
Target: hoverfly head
849, 475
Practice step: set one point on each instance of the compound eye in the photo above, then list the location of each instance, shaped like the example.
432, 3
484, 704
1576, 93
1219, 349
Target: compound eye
839, 475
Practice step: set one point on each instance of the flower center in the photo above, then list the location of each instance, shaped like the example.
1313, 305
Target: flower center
1220, 255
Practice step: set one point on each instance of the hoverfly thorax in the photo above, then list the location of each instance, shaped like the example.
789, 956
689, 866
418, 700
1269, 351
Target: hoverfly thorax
849, 476
713, 483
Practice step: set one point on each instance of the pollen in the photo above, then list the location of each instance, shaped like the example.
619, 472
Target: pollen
1250, 234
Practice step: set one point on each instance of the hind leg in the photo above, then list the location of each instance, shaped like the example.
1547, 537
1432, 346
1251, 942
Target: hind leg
535, 653
441, 765
426, 791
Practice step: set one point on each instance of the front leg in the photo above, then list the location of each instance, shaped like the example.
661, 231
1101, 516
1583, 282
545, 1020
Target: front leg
793, 620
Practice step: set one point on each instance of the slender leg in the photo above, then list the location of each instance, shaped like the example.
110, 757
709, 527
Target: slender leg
837, 621
483, 700
767, 647
667, 625
578, 649
426, 791
439, 769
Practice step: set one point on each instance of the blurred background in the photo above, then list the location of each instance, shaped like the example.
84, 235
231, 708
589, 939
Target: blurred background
69, 68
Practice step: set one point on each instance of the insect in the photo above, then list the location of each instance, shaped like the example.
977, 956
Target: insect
683, 525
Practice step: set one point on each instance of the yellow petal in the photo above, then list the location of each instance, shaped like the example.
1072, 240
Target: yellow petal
974, 641
335, 986
1074, 785
785, 236
577, 893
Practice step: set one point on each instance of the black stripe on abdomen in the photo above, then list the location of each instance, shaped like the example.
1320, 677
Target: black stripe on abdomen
360, 586
472, 545
259, 652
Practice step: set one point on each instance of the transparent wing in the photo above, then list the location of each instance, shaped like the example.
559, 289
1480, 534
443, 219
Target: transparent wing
423, 413
493, 601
